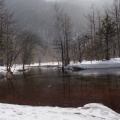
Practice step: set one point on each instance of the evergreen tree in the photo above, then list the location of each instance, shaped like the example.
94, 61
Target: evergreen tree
108, 31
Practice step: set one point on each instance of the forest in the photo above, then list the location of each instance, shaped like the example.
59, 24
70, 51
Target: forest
55, 35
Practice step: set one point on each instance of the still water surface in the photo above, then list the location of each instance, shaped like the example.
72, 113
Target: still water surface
48, 87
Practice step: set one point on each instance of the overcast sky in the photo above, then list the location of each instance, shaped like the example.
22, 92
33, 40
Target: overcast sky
87, 2
98, 2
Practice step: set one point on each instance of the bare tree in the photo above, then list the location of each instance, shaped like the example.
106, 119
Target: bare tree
63, 34
2, 33
29, 40
7, 35
108, 31
115, 12
100, 38
91, 31
10, 44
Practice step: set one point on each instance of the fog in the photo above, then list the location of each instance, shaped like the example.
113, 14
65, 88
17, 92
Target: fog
38, 15
87, 3
32, 13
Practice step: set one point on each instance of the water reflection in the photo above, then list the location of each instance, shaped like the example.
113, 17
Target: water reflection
89, 72
66, 89
8, 90
49, 87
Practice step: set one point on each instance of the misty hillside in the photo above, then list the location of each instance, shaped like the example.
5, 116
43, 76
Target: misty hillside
38, 15
31, 15
34, 16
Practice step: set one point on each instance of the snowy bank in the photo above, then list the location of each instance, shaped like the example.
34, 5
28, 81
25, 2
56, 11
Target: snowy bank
19, 67
14, 69
112, 63
45, 64
88, 112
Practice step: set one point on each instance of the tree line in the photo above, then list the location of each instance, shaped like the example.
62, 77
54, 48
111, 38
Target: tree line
99, 41
15, 45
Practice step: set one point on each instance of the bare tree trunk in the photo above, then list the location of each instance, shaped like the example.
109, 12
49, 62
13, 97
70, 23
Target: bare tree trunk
62, 55
63, 34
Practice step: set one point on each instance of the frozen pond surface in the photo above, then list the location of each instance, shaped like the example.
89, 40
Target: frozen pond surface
48, 87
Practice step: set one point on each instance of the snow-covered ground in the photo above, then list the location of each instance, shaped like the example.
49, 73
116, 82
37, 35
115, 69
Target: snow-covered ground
17, 67
112, 63
14, 69
47, 64
88, 112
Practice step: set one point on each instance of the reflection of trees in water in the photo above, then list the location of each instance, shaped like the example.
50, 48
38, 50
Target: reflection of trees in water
66, 88
8, 89
80, 90
74, 90
72, 85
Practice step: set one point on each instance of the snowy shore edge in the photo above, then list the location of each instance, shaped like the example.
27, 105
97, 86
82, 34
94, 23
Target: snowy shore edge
112, 63
91, 111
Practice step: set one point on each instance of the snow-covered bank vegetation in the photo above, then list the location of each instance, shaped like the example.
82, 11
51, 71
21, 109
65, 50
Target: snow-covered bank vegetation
15, 69
112, 63
88, 112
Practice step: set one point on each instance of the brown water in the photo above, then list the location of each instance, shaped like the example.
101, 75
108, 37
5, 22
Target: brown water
48, 87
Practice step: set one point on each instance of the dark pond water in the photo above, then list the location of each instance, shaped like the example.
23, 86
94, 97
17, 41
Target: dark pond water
48, 87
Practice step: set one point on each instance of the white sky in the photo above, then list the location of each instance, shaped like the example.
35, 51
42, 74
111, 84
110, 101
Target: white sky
86, 1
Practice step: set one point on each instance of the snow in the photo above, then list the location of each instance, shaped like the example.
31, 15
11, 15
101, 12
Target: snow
19, 67
46, 64
112, 63
91, 111
96, 66
14, 69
